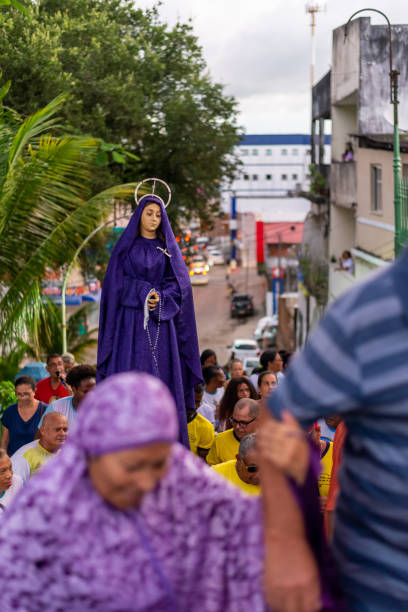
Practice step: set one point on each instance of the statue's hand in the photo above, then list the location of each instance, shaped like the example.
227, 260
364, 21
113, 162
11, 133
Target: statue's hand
153, 300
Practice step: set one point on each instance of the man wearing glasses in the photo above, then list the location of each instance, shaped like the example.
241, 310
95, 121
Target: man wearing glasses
243, 471
243, 422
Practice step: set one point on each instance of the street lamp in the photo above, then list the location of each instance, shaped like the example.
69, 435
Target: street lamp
394, 74
68, 272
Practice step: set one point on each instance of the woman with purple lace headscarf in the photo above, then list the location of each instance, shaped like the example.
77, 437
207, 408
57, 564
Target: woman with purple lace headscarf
126, 519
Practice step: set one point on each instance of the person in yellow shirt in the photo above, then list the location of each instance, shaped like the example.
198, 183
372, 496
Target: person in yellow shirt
244, 421
243, 471
200, 430
326, 463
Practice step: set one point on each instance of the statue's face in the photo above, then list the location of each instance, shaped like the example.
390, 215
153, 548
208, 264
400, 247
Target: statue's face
151, 218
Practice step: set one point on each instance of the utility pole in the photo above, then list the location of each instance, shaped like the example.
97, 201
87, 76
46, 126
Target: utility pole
233, 227
312, 8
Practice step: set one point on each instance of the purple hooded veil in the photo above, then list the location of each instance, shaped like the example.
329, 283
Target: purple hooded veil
195, 544
136, 266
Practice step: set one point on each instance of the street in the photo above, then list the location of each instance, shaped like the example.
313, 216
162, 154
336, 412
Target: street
216, 329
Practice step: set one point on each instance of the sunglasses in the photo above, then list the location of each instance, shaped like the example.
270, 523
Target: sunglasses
241, 423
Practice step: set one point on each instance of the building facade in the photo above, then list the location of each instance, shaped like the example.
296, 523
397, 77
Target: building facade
362, 216
274, 165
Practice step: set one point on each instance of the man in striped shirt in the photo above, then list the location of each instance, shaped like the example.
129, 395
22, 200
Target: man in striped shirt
356, 364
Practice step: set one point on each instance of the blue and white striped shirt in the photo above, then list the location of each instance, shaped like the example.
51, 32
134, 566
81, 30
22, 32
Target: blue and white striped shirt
356, 364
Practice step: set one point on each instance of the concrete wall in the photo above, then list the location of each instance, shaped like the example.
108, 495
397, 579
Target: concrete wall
343, 183
377, 118
345, 73
342, 230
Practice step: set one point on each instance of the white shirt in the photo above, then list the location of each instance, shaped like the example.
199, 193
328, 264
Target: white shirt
65, 407
11, 492
209, 404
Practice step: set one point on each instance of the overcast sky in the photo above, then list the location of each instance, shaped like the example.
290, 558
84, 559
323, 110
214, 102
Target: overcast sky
261, 51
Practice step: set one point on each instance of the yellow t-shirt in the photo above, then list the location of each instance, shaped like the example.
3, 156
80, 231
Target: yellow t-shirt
326, 463
229, 471
224, 448
200, 433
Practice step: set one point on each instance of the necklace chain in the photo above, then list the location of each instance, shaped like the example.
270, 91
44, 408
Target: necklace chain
153, 347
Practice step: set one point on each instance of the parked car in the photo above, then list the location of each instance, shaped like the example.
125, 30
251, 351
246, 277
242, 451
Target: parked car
265, 332
198, 272
242, 305
244, 348
249, 363
216, 258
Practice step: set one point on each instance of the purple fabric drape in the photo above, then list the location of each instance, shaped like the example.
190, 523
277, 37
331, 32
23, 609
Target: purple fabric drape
136, 266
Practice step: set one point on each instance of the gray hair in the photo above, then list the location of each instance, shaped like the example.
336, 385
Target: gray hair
247, 402
68, 358
247, 443
49, 417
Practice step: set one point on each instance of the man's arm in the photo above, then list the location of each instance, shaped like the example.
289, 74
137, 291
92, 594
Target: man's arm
291, 577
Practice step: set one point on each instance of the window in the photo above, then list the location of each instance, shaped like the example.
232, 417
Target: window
284, 177
254, 177
294, 177
246, 177
295, 152
284, 152
376, 188
244, 151
269, 151
268, 177
254, 151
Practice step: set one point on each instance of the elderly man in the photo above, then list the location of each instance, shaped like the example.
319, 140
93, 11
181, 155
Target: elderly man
81, 379
53, 387
69, 361
244, 421
9, 483
243, 471
32, 456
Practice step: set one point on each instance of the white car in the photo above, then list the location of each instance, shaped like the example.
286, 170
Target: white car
265, 332
249, 364
243, 348
216, 258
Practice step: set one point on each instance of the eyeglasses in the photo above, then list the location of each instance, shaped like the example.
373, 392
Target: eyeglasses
241, 423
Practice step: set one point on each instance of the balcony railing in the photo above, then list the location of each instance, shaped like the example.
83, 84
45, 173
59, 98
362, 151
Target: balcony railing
401, 218
343, 184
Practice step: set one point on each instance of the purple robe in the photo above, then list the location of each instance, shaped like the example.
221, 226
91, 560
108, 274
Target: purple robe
138, 265
195, 544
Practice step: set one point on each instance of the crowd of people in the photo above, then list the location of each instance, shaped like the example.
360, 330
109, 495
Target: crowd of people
153, 491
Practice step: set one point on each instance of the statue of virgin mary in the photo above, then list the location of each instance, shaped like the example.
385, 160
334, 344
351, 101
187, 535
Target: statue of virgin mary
147, 320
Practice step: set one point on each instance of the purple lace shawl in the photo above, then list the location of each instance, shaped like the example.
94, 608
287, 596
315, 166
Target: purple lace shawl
195, 544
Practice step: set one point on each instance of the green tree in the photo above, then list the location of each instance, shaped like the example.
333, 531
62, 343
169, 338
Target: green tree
46, 211
134, 81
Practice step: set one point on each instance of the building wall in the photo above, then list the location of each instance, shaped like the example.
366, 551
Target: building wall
370, 236
345, 75
342, 230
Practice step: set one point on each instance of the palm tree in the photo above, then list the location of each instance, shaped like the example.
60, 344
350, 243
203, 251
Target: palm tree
46, 211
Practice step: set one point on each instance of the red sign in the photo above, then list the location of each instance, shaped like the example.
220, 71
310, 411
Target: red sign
260, 250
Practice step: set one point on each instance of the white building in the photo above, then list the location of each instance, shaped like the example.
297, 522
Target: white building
274, 165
